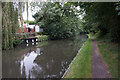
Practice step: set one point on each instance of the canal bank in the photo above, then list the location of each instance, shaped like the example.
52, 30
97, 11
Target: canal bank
80, 67
106, 61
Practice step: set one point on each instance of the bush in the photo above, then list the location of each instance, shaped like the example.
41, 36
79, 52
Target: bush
30, 22
58, 22
27, 35
17, 41
42, 37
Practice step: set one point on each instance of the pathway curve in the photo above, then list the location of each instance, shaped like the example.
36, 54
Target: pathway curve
99, 69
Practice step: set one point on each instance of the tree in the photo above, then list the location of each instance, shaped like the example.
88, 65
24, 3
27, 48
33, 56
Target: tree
9, 23
58, 22
101, 18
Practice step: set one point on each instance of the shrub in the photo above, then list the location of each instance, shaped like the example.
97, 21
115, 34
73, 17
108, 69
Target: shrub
42, 37
17, 41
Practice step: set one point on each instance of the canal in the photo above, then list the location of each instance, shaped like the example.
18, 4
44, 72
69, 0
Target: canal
48, 59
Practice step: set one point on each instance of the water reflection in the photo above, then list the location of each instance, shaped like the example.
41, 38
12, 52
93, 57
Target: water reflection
48, 59
32, 43
27, 44
29, 65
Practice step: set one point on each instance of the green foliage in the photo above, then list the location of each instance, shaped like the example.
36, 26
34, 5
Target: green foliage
10, 15
9, 24
42, 37
58, 22
102, 18
17, 41
24, 36
118, 8
27, 35
30, 22
34, 33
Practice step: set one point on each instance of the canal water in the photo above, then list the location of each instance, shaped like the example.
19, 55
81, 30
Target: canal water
48, 59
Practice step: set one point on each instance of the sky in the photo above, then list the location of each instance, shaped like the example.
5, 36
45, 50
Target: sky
30, 18
30, 13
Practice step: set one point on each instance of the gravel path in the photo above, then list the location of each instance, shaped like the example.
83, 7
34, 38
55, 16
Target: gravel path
99, 68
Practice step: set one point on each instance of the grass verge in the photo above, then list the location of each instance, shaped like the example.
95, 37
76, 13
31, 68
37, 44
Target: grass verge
80, 67
109, 52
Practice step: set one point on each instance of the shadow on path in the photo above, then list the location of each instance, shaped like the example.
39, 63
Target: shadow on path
99, 69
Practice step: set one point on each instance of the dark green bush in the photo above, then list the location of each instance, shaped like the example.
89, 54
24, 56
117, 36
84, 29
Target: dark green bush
30, 22
17, 41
